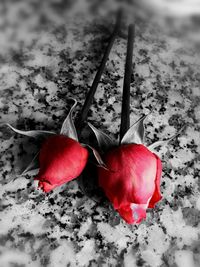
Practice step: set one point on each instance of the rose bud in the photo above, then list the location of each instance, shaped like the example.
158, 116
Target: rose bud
61, 160
132, 181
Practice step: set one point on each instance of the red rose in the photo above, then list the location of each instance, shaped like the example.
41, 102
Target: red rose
61, 160
132, 182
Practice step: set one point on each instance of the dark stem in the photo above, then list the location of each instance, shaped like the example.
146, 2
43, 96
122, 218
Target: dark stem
125, 113
90, 95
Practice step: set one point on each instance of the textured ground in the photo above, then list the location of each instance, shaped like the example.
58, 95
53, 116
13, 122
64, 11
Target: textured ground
48, 54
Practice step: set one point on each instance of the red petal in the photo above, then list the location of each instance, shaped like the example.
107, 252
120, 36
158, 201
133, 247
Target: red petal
45, 186
157, 194
132, 176
133, 213
61, 160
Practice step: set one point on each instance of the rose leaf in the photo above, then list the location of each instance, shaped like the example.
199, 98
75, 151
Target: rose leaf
33, 165
135, 134
33, 133
98, 157
164, 142
68, 127
104, 141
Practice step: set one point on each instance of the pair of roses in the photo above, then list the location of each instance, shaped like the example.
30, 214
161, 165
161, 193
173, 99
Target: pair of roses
128, 173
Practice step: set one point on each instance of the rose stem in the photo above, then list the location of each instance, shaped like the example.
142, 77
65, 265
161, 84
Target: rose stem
125, 113
90, 95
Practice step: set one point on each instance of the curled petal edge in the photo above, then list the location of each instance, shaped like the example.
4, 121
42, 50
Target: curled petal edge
133, 213
157, 194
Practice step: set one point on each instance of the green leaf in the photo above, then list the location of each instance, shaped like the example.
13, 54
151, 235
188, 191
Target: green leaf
164, 142
34, 133
68, 127
135, 134
104, 141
